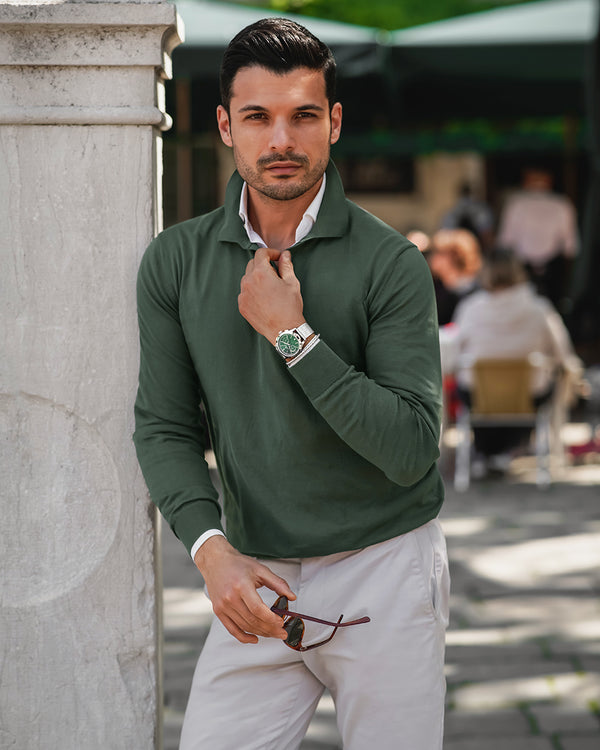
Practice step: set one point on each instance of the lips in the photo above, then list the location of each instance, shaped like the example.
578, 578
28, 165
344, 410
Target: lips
283, 168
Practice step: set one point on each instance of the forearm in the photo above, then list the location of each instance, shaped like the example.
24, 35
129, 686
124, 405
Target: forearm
396, 431
178, 478
390, 413
170, 436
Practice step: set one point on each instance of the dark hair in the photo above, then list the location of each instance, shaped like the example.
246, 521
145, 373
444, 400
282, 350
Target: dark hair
279, 45
501, 270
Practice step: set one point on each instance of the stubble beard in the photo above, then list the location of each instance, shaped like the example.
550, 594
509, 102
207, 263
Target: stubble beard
286, 188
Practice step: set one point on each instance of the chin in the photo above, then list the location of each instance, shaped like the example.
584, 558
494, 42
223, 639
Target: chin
283, 190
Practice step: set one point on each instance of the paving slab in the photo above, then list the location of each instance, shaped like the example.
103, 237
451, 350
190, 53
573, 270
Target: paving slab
512, 722
523, 655
484, 742
579, 742
551, 719
497, 671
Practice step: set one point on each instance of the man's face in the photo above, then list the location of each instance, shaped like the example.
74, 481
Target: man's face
280, 129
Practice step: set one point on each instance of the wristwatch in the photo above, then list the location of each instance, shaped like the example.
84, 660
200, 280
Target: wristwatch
289, 343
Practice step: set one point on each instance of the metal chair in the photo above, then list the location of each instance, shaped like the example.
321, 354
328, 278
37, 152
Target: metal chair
501, 397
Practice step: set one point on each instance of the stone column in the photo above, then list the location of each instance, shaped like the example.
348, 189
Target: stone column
81, 109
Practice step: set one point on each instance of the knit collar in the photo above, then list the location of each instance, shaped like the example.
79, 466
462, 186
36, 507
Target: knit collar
332, 220
307, 221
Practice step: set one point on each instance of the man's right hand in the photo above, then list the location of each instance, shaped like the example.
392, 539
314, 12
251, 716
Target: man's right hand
231, 581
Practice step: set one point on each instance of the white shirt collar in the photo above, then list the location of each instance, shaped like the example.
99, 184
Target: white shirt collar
306, 223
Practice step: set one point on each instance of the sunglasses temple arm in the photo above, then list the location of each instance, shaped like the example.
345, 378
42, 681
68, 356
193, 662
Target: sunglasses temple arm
336, 625
289, 613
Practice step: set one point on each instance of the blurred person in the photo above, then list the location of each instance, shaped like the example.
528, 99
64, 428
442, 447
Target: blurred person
541, 227
469, 212
307, 327
508, 319
455, 261
419, 238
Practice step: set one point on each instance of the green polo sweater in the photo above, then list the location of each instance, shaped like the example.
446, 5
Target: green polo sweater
333, 454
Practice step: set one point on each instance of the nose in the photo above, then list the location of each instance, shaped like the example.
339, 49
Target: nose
281, 136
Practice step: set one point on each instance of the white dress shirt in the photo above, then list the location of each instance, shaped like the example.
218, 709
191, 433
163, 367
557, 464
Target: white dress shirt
307, 221
538, 226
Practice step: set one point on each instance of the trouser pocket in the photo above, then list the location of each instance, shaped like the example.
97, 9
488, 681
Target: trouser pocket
433, 562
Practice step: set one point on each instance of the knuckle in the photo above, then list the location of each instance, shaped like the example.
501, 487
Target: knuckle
226, 600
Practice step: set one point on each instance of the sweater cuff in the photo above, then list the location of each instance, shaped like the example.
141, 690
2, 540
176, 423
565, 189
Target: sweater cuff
194, 518
319, 370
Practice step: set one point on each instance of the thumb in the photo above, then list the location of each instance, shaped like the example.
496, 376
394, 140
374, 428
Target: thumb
285, 265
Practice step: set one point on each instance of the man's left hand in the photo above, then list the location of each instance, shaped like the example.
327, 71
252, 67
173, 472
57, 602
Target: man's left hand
271, 300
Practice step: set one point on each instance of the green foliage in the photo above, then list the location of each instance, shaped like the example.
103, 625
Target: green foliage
383, 14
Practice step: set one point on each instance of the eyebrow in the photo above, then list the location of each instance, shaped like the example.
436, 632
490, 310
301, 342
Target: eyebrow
260, 108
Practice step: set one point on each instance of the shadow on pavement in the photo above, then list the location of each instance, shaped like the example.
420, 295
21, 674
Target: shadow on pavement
523, 647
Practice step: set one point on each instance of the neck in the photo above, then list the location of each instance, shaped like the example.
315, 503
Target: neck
276, 221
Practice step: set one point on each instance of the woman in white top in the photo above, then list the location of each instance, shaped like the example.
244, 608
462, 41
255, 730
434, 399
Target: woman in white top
507, 319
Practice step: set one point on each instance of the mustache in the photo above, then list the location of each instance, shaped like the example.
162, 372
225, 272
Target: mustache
265, 161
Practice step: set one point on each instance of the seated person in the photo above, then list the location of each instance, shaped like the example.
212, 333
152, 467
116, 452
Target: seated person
507, 319
455, 261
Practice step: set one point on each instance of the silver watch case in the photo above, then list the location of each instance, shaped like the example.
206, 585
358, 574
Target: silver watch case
283, 343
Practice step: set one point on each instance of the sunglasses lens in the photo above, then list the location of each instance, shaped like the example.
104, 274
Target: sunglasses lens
295, 630
281, 603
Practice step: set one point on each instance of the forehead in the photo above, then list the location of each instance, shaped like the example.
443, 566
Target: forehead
258, 85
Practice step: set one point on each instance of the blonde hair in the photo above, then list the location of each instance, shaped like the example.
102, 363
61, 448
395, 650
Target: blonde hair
462, 248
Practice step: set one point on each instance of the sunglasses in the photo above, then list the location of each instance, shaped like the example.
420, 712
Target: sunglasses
293, 624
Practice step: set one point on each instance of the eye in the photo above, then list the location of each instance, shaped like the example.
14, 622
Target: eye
306, 115
256, 116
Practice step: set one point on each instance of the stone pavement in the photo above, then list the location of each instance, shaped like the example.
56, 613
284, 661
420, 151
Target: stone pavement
523, 647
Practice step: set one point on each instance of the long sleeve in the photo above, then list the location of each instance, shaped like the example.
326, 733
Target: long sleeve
169, 436
336, 453
390, 413
569, 231
560, 341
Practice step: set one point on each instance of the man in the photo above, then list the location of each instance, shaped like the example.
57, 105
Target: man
540, 226
307, 328
471, 213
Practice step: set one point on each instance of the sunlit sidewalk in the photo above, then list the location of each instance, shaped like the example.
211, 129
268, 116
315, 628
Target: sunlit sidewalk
523, 655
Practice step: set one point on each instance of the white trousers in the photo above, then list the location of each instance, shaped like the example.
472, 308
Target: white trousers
386, 677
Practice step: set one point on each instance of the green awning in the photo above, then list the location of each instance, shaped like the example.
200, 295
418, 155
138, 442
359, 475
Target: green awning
527, 59
545, 22
209, 26
523, 60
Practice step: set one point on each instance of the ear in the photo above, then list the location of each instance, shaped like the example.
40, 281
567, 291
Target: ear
336, 122
224, 125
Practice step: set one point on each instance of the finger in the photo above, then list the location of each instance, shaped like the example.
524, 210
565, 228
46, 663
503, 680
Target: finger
285, 266
247, 611
237, 632
258, 618
275, 583
266, 254
252, 615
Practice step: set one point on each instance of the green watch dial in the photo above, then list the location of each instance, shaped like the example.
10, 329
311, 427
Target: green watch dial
288, 344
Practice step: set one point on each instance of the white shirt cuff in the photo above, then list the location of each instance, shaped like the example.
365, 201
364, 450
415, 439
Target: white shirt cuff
203, 538
311, 345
